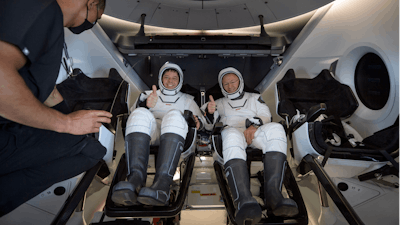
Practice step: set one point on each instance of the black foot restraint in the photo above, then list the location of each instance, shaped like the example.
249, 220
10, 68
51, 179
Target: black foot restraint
274, 170
248, 211
158, 194
137, 148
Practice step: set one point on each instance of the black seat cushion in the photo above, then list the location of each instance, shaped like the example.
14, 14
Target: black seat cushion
299, 93
186, 88
386, 139
106, 93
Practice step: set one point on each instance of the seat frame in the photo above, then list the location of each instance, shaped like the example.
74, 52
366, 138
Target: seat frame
140, 211
256, 155
289, 182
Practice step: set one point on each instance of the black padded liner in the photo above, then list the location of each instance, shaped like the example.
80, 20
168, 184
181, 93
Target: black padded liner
186, 88
82, 92
386, 139
299, 93
342, 152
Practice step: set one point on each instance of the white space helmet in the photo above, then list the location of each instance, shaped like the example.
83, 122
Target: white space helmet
165, 90
239, 91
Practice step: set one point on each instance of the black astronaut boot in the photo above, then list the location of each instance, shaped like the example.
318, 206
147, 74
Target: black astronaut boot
248, 211
274, 171
137, 148
169, 153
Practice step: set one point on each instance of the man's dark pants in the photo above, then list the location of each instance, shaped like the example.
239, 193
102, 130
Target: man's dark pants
31, 160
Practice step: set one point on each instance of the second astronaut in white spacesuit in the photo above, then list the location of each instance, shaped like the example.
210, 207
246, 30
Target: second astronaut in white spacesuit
259, 132
156, 120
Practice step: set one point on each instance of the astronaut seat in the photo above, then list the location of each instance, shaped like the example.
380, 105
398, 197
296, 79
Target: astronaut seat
254, 155
253, 158
314, 110
179, 187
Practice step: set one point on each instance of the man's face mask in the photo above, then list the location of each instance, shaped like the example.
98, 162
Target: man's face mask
86, 25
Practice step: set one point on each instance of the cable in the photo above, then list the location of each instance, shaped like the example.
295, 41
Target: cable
115, 97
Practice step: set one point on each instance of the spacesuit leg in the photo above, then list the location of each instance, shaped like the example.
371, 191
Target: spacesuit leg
141, 126
271, 138
248, 211
233, 144
173, 133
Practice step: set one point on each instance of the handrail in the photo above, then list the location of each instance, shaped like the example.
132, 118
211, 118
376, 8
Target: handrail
73, 200
344, 206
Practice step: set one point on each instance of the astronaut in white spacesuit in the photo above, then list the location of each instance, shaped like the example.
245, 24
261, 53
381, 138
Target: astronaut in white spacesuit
247, 122
157, 120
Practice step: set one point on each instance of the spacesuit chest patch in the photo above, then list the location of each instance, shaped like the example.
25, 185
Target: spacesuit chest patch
238, 104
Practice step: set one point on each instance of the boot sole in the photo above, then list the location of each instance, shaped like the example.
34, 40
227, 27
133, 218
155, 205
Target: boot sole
248, 214
124, 197
145, 200
149, 196
286, 211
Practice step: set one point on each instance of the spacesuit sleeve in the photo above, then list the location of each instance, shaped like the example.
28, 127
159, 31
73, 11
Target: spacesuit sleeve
262, 109
141, 100
196, 111
210, 119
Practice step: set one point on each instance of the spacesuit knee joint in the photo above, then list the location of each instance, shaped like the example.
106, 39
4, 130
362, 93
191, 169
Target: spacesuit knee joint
140, 120
174, 122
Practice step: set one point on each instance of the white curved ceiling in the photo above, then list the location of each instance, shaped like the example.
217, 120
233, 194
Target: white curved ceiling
209, 14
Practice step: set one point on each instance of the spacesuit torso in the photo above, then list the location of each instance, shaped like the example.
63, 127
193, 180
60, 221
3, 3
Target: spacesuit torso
165, 103
162, 115
234, 113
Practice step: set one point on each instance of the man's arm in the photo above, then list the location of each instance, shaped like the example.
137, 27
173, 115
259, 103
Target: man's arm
263, 116
18, 104
262, 110
54, 98
197, 115
209, 119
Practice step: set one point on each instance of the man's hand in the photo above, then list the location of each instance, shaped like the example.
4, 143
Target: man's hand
211, 106
249, 134
152, 99
196, 120
86, 121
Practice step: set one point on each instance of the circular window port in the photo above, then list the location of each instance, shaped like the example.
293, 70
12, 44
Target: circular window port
343, 186
59, 191
372, 81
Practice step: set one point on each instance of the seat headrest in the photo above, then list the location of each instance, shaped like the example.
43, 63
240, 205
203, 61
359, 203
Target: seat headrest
300, 93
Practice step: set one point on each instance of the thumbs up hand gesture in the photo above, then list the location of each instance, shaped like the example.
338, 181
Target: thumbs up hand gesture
152, 99
211, 106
